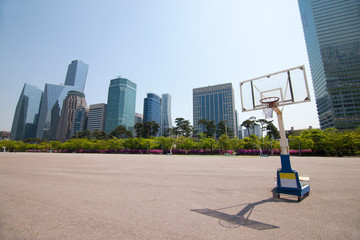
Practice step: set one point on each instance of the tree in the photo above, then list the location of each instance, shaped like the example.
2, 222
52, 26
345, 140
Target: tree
249, 124
208, 143
263, 125
34, 140
336, 142
150, 129
222, 128
139, 130
183, 142
183, 128
210, 128
272, 131
236, 144
121, 132
316, 135
99, 135
224, 142
83, 134
165, 143
299, 142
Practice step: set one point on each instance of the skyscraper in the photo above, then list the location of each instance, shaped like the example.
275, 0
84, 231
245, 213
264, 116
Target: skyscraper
76, 74
96, 117
152, 108
26, 114
54, 95
80, 120
121, 104
332, 36
166, 121
50, 109
73, 101
214, 103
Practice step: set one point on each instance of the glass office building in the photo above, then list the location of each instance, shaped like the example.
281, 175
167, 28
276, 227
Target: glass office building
121, 104
76, 74
166, 121
71, 104
50, 109
332, 36
54, 95
26, 113
152, 108
214, 103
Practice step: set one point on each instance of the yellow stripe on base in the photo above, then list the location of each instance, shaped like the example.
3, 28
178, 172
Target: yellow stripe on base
287, 175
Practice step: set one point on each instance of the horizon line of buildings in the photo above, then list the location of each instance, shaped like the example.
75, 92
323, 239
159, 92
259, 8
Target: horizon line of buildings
60, 111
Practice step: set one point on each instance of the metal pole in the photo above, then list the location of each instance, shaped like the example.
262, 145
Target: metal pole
284, 144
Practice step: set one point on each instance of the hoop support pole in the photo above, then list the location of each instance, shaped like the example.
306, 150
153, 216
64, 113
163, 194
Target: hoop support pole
284, 143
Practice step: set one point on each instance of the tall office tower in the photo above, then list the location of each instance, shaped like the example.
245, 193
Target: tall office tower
54, 95
76, 74
332, 36
121, 104
166, 121
51, 104
73, 101
96, 117
138, 118
26, 114
214, 103
80, 121
152, 108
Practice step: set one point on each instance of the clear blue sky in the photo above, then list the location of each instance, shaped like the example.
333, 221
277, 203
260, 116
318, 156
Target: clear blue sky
163, 46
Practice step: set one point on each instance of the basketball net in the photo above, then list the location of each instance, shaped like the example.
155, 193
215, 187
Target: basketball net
269, 104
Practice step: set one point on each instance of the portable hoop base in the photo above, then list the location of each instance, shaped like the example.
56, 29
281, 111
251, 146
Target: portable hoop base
289, 182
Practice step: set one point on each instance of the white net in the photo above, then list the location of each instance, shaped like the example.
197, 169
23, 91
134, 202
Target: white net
269, 103
268, 112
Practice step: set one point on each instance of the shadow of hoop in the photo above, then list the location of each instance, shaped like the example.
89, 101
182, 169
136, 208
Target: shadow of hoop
241, 218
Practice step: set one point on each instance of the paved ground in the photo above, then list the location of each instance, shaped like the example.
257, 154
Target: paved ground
82, 196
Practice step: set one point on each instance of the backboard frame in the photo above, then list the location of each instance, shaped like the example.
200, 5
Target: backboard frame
282, 101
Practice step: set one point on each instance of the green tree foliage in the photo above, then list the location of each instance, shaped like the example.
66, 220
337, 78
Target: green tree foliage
120, 132
331, 141
83, 134
151, 129
183, 142
147, 129
249, 124
224, 142
272, 131
296, 142
207, 143
99, 135
316, 135
210, 128
182, 128
164, 143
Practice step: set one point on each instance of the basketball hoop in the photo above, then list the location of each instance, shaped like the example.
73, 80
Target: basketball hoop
269, 103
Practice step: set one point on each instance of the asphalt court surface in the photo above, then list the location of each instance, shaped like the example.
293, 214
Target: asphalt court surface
113, 196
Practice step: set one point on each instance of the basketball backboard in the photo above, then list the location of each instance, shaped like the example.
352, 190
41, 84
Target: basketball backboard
289, 85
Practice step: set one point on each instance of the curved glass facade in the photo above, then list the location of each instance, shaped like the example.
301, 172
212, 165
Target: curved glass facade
332, 36
26, 114
152, 108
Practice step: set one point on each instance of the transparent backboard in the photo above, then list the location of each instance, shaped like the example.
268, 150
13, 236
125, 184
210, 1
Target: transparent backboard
289, 85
